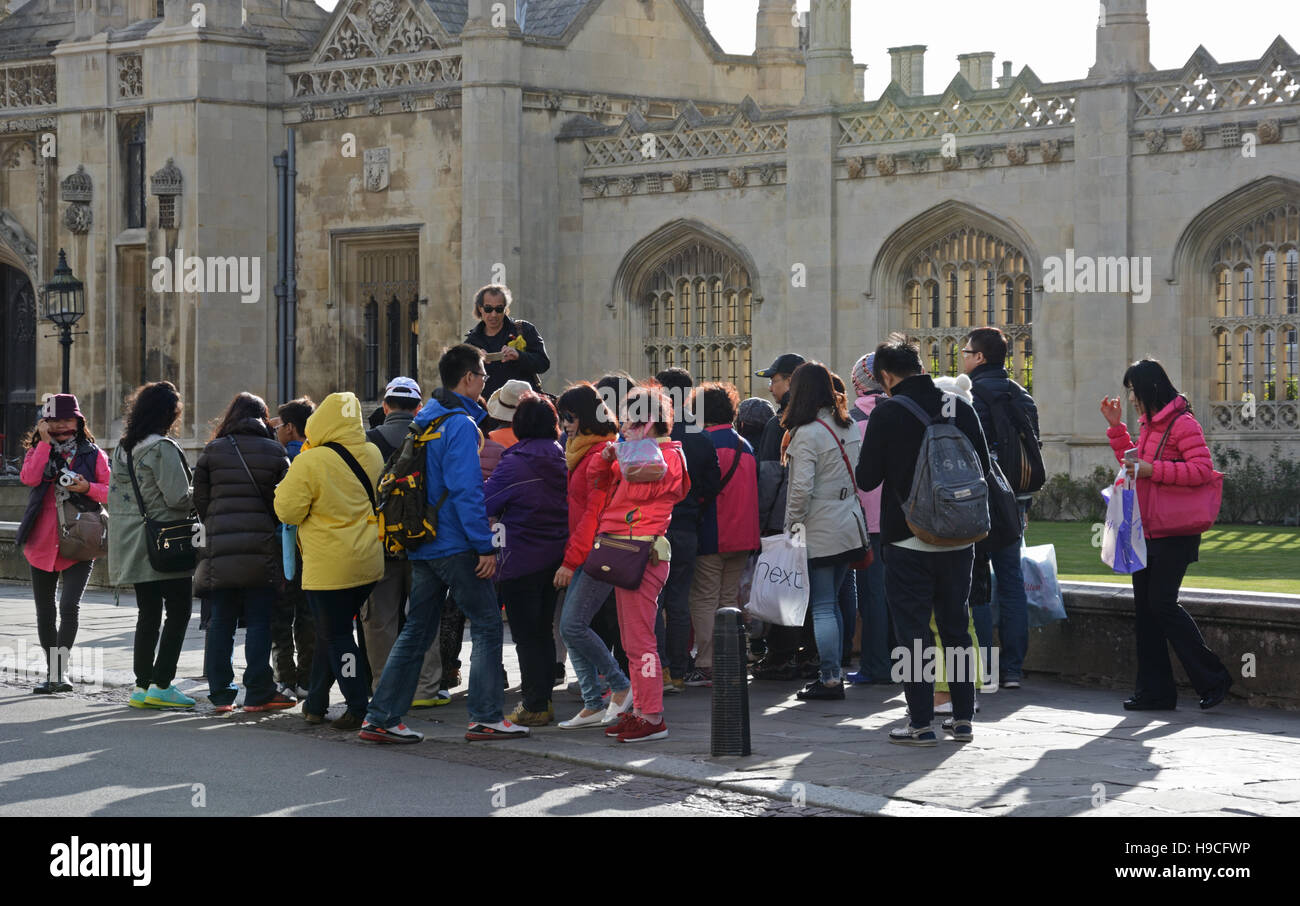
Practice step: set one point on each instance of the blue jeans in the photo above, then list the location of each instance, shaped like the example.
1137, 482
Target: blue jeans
875, 616
674, 628
1013, 612
430, 581
592, 659
848, 604
338, 657
228, 604
828, 622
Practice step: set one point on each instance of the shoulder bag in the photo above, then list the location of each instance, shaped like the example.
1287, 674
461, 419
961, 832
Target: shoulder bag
869, 557
168, 543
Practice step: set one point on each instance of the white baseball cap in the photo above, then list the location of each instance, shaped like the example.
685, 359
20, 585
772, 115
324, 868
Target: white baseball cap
404, 387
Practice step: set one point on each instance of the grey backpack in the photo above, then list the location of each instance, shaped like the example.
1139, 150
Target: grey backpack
948, 504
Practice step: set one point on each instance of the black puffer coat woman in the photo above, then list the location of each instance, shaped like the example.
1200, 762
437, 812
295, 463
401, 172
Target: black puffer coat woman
239, 562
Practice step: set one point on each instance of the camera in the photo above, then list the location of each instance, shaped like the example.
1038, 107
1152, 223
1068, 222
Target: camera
67, 477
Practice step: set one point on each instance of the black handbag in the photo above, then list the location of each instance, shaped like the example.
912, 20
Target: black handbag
619, 561
170, 544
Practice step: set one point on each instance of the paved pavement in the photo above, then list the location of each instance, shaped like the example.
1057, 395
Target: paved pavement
1046, 749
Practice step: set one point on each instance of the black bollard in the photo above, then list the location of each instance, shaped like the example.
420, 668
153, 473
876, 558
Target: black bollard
730, 718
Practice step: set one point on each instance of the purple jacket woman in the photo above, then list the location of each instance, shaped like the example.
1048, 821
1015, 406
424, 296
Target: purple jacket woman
528, 495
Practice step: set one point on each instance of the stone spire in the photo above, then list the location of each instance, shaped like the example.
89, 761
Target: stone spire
1123, 39
829, 73
777, 36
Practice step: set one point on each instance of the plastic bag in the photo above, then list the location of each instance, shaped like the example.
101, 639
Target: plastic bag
1123, 546
1042, 588
640, 460
289, 549
779, 592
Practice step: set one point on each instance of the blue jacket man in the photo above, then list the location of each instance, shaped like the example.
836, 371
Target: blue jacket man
460, 560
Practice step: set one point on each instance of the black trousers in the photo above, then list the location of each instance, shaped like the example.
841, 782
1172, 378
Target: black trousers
151, 598
530, 607
339, 657
916, 584
293, 629
1162, 622
58, 641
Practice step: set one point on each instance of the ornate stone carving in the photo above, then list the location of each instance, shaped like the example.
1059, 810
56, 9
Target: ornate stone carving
984, 155
709, 178
600, 185
767, 174
28, 86
1050, 149
886, 164
308, 112
641, 106
599, 104
375, 106
1193, 138
27, 125
1155, 140
1269, 131
378, 28
370, 76
408, 103
738, 177
856, 166
1016, 153
654, 182
1013, 113
77, 218
1230, 135
687, 142
17, 238
376, 162
919, 161
553, 100
339, 109
11, 154
681, 181
627, 185
168, 180
77, 187
951, 161
441, 100
130, 75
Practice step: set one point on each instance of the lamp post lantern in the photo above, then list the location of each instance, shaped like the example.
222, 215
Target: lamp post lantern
65, 303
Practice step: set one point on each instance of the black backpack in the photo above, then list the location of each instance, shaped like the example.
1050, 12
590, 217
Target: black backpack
1016, 447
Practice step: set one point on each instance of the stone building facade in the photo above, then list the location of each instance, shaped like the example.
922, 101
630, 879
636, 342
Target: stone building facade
650, 199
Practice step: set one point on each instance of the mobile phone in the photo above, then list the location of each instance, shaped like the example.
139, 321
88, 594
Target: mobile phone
1131, 454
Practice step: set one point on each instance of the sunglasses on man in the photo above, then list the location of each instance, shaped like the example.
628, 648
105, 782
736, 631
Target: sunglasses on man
494, 309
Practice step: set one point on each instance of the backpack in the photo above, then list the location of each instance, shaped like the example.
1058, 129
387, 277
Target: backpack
948, 504
406, 518
1017, 448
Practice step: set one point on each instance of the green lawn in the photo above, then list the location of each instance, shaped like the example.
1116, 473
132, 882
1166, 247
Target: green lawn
1237, 557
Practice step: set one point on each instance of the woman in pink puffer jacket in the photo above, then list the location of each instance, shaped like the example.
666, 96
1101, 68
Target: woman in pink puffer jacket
1171, 450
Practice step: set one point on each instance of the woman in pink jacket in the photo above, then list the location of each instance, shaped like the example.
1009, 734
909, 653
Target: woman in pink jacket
1171, 452
60, 445
641, 510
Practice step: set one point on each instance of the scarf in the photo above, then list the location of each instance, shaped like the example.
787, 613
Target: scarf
575, 449
61, 458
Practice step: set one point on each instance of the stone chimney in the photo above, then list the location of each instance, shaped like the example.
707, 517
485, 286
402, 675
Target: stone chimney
776, 36
907, 68
1006, 78
977, 69
860, 80
1123, 39
828, 77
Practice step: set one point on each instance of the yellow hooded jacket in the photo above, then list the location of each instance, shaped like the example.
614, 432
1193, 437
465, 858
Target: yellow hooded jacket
338, 532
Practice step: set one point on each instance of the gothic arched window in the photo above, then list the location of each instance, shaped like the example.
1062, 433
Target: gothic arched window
710, 337
967, 279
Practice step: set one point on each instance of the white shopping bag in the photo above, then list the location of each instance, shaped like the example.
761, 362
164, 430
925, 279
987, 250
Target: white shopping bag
1042, 588
1123, 546
779, 591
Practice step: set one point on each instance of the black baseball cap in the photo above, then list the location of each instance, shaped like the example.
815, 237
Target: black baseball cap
785, 364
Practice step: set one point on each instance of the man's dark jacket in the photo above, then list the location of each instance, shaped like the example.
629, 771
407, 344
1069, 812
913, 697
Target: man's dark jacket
769, 442
389, 436
702, 467
532, 359
993, 379
892, 445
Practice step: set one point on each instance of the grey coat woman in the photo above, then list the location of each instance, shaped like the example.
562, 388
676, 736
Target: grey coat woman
822, 495
166, 491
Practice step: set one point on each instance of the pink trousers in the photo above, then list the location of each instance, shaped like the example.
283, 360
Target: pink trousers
637, 609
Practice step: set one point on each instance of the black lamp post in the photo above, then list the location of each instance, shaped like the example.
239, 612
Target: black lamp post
65, 303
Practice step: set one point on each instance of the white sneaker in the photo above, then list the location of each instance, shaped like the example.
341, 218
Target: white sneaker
577, 721
946, 707
614, 711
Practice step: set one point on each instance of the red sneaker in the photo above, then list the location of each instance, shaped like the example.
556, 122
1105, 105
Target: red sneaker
624, 721
641, 730
277, 702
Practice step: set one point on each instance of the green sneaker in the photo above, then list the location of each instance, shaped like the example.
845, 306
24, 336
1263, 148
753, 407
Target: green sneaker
171, 697
138, 699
